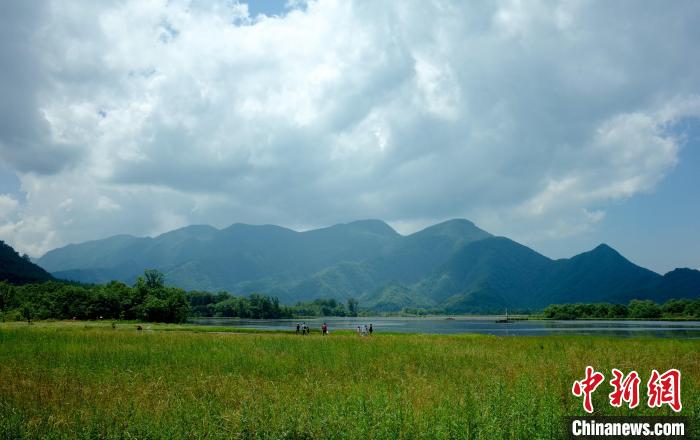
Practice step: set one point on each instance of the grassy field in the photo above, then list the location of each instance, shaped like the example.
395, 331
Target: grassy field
87, 380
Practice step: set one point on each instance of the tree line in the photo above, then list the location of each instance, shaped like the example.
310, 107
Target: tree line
149, 299
636, 309
257, 306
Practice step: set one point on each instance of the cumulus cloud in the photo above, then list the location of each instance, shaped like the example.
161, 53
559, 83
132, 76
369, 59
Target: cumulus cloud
528, 118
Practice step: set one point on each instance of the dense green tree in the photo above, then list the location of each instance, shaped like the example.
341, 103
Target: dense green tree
157, 302
154, 279
684, 308
675, 306
320, 307
201, 302
617, 311
353, 307
169, 306
27, 312
644, 309
7, 294
693, 309
254, 306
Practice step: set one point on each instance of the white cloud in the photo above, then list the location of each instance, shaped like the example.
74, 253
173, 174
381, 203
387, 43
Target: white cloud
104, 203
523, 116
8, 205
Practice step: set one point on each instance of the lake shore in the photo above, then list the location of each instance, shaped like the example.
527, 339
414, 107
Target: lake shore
493, 325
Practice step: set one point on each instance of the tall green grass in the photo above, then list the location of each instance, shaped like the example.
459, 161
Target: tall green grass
70, 380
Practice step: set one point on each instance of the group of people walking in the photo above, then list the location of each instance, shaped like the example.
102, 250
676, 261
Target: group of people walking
303, 329
365, 331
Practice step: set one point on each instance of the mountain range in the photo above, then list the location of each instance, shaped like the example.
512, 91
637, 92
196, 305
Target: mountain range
452, 266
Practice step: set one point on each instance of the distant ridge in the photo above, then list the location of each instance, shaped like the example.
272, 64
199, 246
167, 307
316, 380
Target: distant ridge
453, 266
19, 270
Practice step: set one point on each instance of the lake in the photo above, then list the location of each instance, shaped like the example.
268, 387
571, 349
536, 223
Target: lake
482, 324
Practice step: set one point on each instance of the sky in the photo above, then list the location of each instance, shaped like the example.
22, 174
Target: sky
560, 124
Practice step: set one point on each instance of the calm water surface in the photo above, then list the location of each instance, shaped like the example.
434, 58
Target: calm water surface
483, 324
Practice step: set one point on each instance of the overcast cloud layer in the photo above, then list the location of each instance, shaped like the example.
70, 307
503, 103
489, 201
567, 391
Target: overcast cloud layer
527, 117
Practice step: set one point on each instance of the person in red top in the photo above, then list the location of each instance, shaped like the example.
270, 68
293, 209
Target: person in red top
324, 329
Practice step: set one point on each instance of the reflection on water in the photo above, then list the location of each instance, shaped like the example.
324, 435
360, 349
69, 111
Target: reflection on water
484, 324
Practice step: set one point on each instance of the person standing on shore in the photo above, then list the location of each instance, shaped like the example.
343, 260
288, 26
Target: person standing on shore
370, 329
324, 329
298, 327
